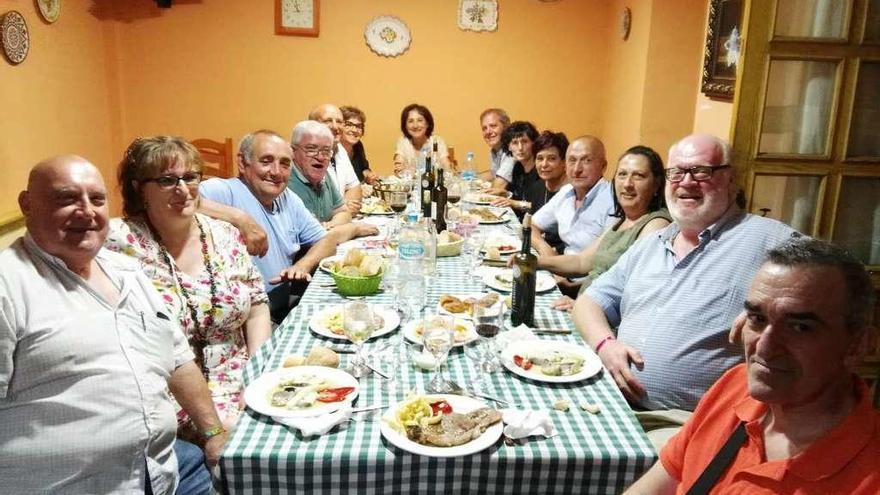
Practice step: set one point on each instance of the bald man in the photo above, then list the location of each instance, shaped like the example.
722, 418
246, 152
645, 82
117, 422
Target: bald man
340, 170
673, 295
87, 354
581, 210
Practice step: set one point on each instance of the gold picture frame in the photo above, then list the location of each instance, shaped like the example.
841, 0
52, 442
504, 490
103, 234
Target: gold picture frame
722, 52
298, 17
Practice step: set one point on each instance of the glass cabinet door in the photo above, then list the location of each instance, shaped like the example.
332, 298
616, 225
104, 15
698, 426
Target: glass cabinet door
812, 19
864, 131
792, 199
857, 226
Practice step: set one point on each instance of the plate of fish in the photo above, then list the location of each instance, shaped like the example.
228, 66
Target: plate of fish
302, 391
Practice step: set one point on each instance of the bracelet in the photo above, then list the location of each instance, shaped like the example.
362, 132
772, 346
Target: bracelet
603, 342
213, 431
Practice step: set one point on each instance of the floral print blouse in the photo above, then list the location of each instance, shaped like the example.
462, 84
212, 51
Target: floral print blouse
239, 287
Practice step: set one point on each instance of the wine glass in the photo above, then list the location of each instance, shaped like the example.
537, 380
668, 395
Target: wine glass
488, 322
398, 200
437, 336
358, 325
453, 191
452, 217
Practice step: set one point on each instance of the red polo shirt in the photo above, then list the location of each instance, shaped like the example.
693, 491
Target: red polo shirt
845, 460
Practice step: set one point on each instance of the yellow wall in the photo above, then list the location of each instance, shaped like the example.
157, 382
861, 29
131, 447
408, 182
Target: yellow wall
711, 116
59, 100
216, 69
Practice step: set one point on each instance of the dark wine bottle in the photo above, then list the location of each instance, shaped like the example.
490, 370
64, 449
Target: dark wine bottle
440, 198
427, 188
525, 268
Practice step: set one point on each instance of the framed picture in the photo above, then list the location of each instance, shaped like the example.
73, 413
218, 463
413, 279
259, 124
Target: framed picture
297, 17
723, 42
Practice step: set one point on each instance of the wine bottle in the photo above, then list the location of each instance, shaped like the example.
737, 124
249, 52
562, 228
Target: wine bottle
427, 188
525, 267
440, 198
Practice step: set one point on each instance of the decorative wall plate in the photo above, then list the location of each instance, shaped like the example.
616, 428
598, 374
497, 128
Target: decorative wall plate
49, 9
16, 41
388, 36
478, 15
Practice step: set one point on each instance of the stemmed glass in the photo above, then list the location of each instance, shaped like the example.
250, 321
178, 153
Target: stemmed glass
358, 325
472, 248
398, 200
488, 322
437, 336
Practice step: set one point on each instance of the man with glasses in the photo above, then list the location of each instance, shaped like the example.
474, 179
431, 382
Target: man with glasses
673, 296
297, 241
312, 144
340, 168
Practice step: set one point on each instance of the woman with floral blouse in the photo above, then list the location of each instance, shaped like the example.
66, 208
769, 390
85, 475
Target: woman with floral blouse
199, 265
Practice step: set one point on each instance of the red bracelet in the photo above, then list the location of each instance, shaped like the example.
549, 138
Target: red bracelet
603, 341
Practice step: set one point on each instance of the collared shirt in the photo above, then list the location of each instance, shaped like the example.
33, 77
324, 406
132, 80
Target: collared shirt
577, 227
84, 405
677, 313
501, 164
320, 200
844, 460
288, 224
342, 171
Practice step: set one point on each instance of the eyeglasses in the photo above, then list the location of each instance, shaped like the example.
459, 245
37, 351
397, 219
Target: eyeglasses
699, 173
171, 181
313, 152
353, 125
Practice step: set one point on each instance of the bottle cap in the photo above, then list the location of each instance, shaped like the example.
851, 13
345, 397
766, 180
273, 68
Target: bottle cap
470, 155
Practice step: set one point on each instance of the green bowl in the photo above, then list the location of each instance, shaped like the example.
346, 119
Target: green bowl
357, 286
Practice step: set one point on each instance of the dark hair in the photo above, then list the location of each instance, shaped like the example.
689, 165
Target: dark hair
423, 111
517, 129
809, 252
148, 157
349, 111
550, 139
658, 201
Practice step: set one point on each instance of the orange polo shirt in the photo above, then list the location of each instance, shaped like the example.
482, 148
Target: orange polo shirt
846, 460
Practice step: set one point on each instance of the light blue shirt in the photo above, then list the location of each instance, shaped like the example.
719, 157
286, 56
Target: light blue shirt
577, 228
289, 225
677, 313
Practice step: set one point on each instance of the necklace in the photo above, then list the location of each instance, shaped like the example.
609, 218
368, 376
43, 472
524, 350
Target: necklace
198, 338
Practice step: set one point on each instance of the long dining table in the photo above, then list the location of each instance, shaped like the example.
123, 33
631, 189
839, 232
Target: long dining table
591, 453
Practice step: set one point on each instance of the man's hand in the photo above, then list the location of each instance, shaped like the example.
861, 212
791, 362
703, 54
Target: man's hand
255, 237
370, 177
616, 357
564, 303
363, 229
353, 206
214, 447
735, 335
292, 272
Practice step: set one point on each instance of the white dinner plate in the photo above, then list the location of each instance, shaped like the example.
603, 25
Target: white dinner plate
499, 240
256, 395
459, 404
501, 213
440, 309
469, 334
479, 198
317, 323
496, 280
592, 363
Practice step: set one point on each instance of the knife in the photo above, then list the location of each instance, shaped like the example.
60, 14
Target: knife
376, 371
369, 408
341, 350
552, 331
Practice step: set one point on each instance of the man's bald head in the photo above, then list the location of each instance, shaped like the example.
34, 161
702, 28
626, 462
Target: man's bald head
66, 209
585, 163
329, 114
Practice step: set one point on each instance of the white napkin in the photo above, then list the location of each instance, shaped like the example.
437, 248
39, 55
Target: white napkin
521, 424
317, 425
515, 334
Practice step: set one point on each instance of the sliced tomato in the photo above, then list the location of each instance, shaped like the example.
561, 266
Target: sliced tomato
522, 362
441, 406
334, 394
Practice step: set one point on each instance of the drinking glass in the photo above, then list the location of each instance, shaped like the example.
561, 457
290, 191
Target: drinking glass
437, 336
398, 200
411, 293
452, 217
476, 352
474, 245
454, 191
358, 325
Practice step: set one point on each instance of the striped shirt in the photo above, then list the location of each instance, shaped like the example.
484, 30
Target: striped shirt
677, 313
577, 228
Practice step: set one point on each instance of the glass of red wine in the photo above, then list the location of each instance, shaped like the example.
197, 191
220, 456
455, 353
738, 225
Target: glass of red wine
488, 322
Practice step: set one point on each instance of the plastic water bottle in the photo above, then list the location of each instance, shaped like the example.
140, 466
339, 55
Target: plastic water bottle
411, 253
469, 172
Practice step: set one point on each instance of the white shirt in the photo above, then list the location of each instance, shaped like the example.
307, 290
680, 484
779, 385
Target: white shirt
84, 406
577, 227
502, 164
343, 173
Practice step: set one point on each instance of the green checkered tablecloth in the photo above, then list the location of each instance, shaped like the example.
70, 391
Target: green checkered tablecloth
596, 454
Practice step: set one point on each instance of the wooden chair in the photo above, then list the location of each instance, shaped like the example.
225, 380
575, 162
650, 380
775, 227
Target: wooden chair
219, 157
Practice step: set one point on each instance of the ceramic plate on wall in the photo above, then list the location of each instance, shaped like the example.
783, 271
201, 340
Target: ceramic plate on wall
388, 36
16, 41
50, 9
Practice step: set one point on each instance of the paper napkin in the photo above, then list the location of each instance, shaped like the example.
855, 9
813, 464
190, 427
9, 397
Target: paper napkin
521, 424
317, 425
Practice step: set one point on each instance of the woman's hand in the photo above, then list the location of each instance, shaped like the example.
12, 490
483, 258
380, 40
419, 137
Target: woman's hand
371, 178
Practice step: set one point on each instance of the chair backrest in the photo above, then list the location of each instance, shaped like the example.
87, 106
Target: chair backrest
219, 157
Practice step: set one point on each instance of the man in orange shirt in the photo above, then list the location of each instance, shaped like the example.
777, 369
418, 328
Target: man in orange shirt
808, 425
